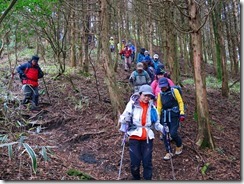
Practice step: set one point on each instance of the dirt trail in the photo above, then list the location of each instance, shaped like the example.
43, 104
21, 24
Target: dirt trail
87, 139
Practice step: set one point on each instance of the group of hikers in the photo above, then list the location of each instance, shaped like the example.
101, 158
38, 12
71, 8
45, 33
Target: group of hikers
155, 102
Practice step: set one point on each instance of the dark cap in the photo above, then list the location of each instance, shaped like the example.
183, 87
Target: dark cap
163, 82
36, 58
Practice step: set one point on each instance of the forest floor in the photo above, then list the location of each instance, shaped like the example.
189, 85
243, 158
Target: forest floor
86, 139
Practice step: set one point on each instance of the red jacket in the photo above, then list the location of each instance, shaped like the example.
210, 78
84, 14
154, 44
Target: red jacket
126, 51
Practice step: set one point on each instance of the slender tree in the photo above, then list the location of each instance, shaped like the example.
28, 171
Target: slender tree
204, 136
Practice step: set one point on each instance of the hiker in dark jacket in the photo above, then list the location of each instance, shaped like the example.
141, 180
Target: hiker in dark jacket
170, 107
29, 74
136, 121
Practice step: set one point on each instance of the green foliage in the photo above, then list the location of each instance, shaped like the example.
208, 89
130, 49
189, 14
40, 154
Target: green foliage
25, 147
188, 81
32, 155
26, 53
82, 176
213, 83
204, 168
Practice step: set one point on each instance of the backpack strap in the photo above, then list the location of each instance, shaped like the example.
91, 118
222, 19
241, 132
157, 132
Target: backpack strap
172, 92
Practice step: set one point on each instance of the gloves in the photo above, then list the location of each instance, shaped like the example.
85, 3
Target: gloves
182, 118
23, 76
123, 127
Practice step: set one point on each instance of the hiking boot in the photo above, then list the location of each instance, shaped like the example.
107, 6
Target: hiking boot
178, 150
168, 156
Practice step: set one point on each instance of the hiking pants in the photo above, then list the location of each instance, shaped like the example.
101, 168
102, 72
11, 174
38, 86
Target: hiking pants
31, 93
141, 151
127, 62
173, 130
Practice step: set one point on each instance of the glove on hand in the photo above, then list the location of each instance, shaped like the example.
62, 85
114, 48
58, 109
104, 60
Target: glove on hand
182, 118
23, 76
123, 127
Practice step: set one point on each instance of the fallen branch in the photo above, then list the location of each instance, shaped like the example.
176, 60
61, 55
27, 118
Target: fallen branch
234, 83
84, 136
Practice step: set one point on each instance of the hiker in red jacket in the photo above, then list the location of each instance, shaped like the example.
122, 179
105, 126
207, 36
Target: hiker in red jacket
29, 74
127, 52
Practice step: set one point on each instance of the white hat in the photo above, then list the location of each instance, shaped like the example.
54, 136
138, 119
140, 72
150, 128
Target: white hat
155, 56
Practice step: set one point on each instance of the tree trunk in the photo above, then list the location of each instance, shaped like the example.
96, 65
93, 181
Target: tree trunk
150, 36
215, 21
225, 87
115, 96
212, 45
204, 137
72, 37
86, 38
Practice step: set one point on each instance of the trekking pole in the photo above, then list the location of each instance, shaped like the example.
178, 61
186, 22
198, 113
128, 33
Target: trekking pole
122, 155
166, 131
46, 89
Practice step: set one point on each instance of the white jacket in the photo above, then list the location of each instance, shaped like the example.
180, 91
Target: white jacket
125, 118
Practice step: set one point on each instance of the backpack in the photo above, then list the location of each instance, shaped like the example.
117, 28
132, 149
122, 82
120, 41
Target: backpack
176, 87
180, 91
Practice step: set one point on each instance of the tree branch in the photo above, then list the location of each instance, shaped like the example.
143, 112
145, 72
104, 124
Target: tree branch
7, 10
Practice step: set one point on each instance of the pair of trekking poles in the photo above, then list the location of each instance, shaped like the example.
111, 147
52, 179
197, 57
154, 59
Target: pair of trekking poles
166, 133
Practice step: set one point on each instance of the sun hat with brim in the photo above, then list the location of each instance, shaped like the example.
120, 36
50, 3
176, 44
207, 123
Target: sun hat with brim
163, 82
146, 90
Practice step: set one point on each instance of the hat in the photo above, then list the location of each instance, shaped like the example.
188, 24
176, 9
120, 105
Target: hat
139, 66
160, 71
146, 90
163, 82
146, 52
155, 56
36, 58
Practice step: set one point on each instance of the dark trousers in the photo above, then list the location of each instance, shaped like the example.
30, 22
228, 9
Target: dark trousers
173, 130
141, 151
31, 94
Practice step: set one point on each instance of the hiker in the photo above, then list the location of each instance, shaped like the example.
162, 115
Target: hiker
132, 47
140, 56
149, 69
111, 44
170, 107
139, 77
155, 86
29, 74
156, 62
120, 46
136, 121
126, 52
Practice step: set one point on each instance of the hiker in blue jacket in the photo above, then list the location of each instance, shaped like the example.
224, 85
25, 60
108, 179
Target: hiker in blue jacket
157, 62
140, 56
133, 48
136, 121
